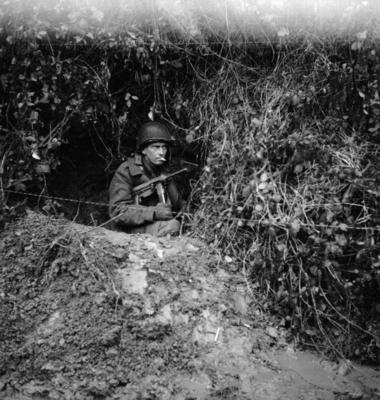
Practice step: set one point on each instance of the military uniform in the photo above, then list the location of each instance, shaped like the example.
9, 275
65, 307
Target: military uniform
140, 218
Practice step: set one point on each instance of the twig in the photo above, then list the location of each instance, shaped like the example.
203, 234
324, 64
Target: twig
2, 197
217, 334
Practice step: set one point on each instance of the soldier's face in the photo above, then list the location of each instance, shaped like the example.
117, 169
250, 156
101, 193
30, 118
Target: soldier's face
156, 152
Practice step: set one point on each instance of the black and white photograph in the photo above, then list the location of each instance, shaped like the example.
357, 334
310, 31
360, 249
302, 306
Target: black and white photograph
190, 199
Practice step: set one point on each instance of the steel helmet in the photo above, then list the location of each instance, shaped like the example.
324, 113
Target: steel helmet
153, 132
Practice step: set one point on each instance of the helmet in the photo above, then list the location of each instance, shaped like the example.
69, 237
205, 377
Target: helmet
152, 132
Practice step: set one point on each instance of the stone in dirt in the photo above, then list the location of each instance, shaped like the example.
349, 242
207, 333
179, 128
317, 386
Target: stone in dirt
136, 317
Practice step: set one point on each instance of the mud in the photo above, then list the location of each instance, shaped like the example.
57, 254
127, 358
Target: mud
92, 314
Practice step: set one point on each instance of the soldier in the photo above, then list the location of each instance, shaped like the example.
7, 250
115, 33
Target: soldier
150, 216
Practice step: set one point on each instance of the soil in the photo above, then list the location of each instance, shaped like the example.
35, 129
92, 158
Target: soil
87, 313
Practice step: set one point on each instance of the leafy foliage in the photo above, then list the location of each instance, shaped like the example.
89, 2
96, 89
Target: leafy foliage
290, 189
287, 131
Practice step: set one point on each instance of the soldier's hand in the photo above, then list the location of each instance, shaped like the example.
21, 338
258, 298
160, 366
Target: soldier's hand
163, 212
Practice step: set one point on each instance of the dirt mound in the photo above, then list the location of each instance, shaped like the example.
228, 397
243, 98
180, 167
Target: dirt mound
92, 314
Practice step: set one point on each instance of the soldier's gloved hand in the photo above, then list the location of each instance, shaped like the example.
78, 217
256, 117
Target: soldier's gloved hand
163, 212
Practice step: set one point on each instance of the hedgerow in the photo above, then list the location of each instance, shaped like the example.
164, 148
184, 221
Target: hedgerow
290, 190
285, 126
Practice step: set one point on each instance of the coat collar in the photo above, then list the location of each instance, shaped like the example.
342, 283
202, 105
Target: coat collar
138, 167
135, 165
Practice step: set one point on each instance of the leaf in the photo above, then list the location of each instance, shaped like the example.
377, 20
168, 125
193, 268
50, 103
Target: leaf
314, 270
272, 332
34, 115
329, 216
283, 32
82, 23
123, 118
189, 138
341, 239
176, 64
256, 121
73, 16
361, 35
20, 187
295, 227
228, 259
247, 191
97, 14
375, 128
54, 143
262, 186
356, 46
36, 156
281, 247
343, 227
264, 177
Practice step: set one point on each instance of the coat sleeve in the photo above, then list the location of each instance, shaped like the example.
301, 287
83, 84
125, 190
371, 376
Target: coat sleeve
121, 206
174, 195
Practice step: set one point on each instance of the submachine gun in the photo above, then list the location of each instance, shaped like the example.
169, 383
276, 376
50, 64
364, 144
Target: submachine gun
157, 184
